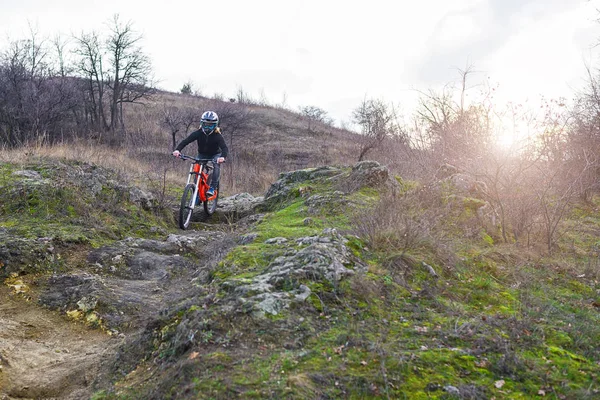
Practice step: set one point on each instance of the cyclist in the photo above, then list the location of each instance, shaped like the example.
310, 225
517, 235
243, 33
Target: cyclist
210, 145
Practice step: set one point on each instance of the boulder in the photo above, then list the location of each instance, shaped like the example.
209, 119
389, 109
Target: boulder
238, 206
370, 174
325, 259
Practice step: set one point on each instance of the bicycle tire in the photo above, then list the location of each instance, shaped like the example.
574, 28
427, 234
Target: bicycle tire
186, 208
211, 206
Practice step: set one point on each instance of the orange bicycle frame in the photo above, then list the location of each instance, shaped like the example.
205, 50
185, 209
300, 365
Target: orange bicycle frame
199, 172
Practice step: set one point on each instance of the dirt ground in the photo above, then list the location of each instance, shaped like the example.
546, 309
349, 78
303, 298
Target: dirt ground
43, 355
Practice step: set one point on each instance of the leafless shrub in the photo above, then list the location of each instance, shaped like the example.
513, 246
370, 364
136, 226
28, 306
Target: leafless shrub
400, 224
158, 183
243, 97
178, 120
377, 122
583, 137
315, 117
37, 102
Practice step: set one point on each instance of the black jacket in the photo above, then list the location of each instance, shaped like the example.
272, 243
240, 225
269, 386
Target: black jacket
207, 144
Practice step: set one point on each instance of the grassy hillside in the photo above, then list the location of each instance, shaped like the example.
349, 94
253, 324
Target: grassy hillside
344, 281
263, 140
465, 318
315, 296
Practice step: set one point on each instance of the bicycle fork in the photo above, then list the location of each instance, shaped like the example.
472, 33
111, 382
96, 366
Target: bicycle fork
195, 172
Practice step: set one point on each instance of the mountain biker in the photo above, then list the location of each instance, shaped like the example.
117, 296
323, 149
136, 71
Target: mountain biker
211, 145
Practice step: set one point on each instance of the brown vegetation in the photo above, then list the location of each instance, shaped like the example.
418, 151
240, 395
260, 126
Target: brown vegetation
50, 108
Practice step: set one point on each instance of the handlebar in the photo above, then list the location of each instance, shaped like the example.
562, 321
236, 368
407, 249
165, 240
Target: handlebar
199, 160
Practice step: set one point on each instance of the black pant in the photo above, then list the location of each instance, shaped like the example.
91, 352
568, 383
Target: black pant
214, 182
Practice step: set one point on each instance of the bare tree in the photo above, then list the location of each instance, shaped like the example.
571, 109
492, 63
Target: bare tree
178, 120
376, 121
315, 116
130, 69
583, 137
115, 71
90, 67
455, 131
556, 192
243, 97
60, 48
35, 100
187, 88
508, 182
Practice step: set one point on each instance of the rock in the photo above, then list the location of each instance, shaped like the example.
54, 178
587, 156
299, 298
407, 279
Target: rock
239, 206
363, 174
87, 304
463, 184
369, 174
276, 240
22, 256
326, 201
325, 259
248, 238
145, 199
189, 242
446, 170
465, 192
270, 303
304, 293
65, 292
452, 390
139, 259
286, 187
429, 269
29, 174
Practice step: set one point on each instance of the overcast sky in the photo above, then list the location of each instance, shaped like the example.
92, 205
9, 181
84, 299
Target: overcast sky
332, 54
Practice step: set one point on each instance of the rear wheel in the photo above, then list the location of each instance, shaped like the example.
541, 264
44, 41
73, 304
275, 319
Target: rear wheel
211, 205
186, 208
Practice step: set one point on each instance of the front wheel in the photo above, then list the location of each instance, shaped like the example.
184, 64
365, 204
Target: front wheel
186, 208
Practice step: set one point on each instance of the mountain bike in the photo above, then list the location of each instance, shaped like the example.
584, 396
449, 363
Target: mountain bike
194, 193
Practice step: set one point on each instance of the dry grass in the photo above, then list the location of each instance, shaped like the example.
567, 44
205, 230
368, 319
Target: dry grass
146, 166
273, 140
115, 159
403, 223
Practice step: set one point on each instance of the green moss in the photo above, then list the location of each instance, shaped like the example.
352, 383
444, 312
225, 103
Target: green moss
472, 203
56, 209
487, 238
104, 395
485, 319
406, 185
287, 223
247, 261
356, 245
491, 315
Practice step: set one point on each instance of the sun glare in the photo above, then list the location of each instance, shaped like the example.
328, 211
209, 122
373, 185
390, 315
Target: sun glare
505, 140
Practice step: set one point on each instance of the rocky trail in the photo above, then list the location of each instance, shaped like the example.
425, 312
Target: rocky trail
45, 355
99, 315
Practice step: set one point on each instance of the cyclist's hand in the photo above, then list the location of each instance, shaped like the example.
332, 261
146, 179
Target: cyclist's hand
220, 160
176, 153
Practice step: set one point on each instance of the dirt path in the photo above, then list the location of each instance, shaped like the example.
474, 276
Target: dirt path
44, 356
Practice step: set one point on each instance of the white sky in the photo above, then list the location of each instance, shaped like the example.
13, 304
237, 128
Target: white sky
332, 54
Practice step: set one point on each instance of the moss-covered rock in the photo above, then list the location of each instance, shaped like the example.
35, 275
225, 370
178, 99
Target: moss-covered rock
325, 260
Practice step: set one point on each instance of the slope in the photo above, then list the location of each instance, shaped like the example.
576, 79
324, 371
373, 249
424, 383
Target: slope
306, 292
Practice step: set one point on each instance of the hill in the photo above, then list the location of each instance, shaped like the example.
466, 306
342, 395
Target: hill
263, 140
337, 282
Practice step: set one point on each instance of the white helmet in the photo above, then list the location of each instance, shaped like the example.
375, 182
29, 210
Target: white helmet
209, 122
